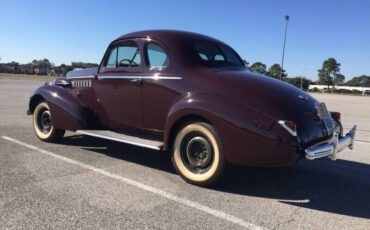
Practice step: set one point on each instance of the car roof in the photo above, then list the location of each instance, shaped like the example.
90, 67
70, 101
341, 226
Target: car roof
168, 35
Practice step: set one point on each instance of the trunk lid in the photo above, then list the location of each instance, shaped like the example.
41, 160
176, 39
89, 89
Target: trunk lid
277, 99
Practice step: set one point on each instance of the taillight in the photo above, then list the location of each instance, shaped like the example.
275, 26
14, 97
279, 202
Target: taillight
289, 126
335, 115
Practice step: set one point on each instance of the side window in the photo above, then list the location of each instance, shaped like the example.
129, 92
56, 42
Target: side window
203, 56
219, 57
125, 55
128, 55
156, 56
112, 61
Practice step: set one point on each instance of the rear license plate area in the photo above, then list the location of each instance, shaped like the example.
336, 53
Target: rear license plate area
324, 115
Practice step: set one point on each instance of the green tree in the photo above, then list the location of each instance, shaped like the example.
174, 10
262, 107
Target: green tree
339, 78
277, 72
362, 80
258, 67
296, 81
45, 63
330, 68
35, 62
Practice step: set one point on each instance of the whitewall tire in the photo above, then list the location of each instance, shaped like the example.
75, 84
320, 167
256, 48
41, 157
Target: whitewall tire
197, 154
42, 124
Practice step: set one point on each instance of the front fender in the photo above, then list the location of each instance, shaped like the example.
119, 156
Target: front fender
248, 135
67, 111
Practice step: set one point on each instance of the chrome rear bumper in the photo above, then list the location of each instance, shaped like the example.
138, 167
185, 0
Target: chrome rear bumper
332, 147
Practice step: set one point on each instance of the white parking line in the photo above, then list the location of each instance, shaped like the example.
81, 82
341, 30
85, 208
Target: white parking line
180, 200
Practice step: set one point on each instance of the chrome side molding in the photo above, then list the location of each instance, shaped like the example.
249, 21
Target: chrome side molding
81, 77
124, 138
149, 77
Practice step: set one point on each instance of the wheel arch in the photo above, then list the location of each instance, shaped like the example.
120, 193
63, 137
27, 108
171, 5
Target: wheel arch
181, 122
189, 108
67, 111
34, 101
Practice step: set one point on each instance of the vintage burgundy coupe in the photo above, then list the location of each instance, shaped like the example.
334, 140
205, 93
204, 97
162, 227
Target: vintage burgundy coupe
193, 96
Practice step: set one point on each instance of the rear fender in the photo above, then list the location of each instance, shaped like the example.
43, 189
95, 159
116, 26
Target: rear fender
225, 114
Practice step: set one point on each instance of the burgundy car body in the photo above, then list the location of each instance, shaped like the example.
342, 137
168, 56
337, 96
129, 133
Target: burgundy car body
245, 108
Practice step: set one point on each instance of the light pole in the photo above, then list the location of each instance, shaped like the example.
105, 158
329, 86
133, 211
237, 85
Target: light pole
282, 59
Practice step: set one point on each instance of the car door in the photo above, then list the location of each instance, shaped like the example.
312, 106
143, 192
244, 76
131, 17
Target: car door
118, 88
160, 85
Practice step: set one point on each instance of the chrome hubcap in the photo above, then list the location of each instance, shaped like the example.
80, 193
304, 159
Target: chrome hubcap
45, 121
197, 154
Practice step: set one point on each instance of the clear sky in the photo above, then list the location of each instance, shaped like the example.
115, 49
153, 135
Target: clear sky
66, 31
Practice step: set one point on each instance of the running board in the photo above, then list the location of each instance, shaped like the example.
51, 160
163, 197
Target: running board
106, 134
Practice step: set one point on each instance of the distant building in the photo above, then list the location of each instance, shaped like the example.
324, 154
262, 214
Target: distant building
40, 69
325, 87
2, 67
12, 67
26, 69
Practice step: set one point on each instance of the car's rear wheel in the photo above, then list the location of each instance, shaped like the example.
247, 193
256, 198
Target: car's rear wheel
197, 154
43, 126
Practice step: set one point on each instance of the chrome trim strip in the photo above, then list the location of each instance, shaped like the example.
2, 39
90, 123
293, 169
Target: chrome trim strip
118, 139
149, 77
283, 124
118, 77
162, 77
80, 77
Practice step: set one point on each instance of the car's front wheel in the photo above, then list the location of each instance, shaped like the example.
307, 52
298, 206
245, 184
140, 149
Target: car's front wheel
42, 124
197, 154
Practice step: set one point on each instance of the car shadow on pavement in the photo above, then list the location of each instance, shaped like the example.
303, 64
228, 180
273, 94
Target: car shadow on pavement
339, 187
142, 156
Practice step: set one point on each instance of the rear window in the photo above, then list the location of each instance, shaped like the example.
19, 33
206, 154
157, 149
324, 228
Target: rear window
217, 54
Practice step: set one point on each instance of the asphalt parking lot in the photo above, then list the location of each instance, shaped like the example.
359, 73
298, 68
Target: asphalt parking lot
86, 182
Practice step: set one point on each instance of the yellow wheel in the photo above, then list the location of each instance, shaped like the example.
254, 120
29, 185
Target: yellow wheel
197, 154
42, 124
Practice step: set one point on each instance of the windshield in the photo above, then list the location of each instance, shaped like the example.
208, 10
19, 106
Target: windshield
214, 54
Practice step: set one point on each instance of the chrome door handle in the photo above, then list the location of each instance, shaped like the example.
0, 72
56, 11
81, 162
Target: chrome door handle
136, 80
